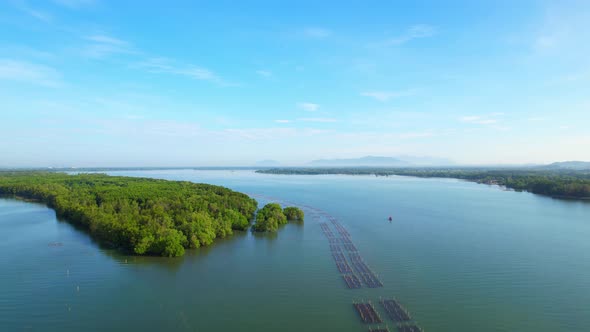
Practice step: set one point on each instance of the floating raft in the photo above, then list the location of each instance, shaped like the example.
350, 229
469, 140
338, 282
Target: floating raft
367, 313
360, 266
350, 247
355, 257
379, 329
345, 240
397, 313
326, 230
343, 267
339, 257
409, 328
335, 247
352, 281
371, 280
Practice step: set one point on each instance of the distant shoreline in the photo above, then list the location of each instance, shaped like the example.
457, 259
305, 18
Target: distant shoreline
562, 184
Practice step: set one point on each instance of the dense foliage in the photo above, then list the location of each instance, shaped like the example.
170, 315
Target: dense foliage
556, 183
143, 216
271, 216
293, 213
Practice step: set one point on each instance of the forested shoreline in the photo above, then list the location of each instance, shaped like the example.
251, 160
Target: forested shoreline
137, 215
565, 184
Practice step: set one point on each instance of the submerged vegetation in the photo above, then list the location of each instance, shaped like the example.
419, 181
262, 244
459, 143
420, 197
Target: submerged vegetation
555, 183
271, 216
139, 215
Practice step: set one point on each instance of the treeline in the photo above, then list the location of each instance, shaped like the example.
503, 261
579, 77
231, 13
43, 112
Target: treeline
139, 215
271, 216
565, 183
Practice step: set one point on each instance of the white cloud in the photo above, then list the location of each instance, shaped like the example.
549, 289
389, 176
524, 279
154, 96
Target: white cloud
324, 120
167, 66
264, 73
385, 95
16, 70
74, 4
102, 46
478, 120
106, 40
414, 32
273, 134
536, 119
316, 32
490, 120
310, 107
282, 121
411, 135
38, 14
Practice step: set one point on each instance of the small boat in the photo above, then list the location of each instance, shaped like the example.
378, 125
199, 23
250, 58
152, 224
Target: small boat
390, 219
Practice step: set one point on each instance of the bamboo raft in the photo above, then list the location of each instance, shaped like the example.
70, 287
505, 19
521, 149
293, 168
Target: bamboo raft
350, 247
371, 280
335, 247
379, 329
409, 328
343, 267
360, 266
339, 257
367, 313
345, 240
396, 312
355, 257
352, 281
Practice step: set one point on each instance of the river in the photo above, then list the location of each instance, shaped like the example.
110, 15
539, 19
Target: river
459, 256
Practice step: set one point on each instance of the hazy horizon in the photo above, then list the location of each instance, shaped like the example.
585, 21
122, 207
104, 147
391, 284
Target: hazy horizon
97, 83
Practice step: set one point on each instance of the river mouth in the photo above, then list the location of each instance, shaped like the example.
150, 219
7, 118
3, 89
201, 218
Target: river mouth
458, 256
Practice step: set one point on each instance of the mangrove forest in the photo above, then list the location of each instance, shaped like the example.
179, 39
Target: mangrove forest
271, 216
138, 215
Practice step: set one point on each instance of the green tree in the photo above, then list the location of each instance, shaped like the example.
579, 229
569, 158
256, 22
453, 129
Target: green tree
294, 213
269, 218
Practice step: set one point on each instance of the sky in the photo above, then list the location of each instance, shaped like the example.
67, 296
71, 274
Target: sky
88, 83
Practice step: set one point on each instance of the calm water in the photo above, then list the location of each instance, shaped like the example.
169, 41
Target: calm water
459, 256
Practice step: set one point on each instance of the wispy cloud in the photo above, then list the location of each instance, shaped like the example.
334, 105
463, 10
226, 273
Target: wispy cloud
75, 4
101, 46
307, 106
22, 71
282, 121
411, 135
323, 120
536, 119
168, 66
274, 134
386, 95
37, 14
414, 32
478, 120
491, 120
317, 32
264, 73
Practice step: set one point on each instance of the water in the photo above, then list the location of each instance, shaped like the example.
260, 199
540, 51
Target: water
458, 255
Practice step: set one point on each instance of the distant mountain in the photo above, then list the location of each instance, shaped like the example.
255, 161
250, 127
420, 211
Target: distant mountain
569, 165
426, 161
364, 161
268, 162
377, 161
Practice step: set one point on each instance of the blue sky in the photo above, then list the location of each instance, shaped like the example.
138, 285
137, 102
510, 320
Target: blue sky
179, 83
